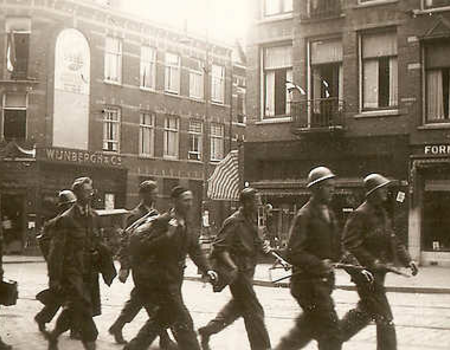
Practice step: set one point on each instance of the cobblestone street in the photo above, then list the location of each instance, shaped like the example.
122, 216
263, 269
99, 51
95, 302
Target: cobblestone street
423, 320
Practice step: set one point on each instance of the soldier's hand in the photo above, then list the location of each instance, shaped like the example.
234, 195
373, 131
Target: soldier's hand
367, 275
212, 276
123, 275
327, 266
414, 268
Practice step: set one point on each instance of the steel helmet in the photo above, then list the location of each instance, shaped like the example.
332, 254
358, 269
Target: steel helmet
319, 174
66, 197
373, 182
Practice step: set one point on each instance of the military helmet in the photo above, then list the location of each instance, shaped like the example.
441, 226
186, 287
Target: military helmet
66, 197
373, 182
319, 174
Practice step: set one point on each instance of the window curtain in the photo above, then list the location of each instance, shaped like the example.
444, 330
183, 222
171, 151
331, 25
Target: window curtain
270, 94
370, 84
341, 86
289, 77
393, 81
317, 88
435, 101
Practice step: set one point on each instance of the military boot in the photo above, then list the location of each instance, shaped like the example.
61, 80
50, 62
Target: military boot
89, 345
165, 343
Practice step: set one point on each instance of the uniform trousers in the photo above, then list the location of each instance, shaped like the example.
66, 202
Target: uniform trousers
318, 320
245, 304
373, 305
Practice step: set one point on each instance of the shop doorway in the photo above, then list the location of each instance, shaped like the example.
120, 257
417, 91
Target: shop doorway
13, 223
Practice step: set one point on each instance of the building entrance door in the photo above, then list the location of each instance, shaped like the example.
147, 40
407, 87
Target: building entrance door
13, 223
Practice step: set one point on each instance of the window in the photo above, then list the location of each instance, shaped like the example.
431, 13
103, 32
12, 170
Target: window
171, 141
196, 81
113, 60
15, 116
111, 129
324, 8
277, 70
217, 141
241, 105
146, 134
379, 71
172, 77
429, 4
437, 82
18, 31
110, 200
218, 83
277, 7
195, 139
148, 60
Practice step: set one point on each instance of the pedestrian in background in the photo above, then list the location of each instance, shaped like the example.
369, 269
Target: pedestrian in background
148, 191
369, 236
158, 252
236, 247
314, 243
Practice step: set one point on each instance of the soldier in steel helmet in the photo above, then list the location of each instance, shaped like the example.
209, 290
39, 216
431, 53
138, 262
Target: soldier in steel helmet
369, 235
237, 246
66, 198
148, 191
314, 243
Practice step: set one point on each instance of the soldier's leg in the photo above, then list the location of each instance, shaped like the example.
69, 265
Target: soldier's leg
226, 316
47, 314
252, 312
386, 335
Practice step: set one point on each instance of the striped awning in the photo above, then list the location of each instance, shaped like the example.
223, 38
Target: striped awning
223, 185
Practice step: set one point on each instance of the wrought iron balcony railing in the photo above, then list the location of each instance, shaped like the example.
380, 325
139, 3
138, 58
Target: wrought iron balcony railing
319, 9
323, 114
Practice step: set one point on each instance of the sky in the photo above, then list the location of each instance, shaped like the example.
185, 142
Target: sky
226, 20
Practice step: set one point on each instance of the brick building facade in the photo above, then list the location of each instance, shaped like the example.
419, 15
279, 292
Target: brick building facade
361, 103
89, 90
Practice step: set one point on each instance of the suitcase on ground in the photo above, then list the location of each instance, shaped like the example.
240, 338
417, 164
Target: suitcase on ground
8, 292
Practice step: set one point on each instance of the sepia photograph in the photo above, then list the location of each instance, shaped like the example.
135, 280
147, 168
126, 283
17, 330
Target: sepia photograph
224, 175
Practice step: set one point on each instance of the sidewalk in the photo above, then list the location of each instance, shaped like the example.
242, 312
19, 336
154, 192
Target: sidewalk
431, 279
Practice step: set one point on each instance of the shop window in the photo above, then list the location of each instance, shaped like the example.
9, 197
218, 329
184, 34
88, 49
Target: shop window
277, 71
217, 141
196, 81
18, 32
277, 7
148, 67
110, 200
217, 83
113, 60
111, 129
172, 73
15, 116
146, 134
379, 78
437, 82
436, 220
171, 136
195, 139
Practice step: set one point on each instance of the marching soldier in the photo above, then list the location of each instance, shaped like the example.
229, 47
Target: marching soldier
237, 246
3, 345
369, 236
66, 199
313, 244
158, 250
75, 258
146, 208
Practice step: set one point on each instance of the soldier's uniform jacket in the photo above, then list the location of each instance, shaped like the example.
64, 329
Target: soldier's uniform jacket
1, 251
137, 213
239, 237
158, 260
368, 234
312, 239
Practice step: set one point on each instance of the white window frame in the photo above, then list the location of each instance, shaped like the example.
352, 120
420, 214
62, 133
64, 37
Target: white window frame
197, 82
114, 123
112, 55
175, 132
21, 108
284, 7
172, 73
195, 133
375, 110
218, 83
217, 141
148, 128
148, 66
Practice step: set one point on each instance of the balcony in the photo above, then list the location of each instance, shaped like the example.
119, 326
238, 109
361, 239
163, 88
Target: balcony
322, 9
324, 115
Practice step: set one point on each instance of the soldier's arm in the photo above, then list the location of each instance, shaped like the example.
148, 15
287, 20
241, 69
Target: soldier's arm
353, 239
296, 252
1, 252
400, 250
198, 256
150, 237
57, 251
123, 252
223, 243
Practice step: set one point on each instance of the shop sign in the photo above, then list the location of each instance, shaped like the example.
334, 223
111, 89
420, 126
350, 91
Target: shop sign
79, 157
437, 150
